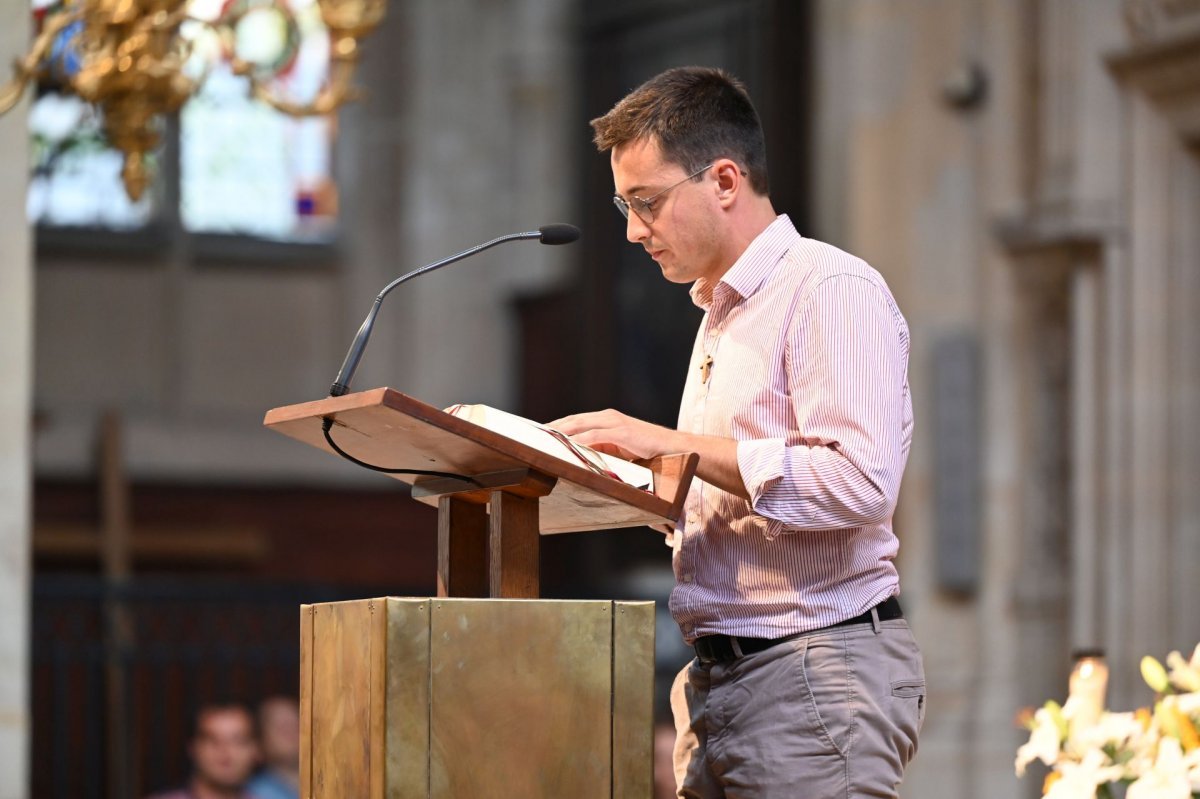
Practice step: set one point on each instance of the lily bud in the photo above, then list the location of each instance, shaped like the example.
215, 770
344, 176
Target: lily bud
1155, 675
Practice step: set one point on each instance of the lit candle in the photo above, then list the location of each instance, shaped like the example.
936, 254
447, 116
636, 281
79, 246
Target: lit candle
1088, 684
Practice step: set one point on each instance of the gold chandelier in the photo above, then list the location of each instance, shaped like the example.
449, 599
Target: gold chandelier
135, 61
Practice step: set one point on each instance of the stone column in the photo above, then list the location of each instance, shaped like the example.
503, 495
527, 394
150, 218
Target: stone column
490, 135
16, 302
1154, 558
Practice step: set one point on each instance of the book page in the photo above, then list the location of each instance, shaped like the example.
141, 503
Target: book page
552, 442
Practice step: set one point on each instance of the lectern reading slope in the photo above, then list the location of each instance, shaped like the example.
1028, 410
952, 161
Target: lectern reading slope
529, 492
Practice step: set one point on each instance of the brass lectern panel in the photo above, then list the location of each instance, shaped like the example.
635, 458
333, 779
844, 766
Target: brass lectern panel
407, 698
407, 690
633, 700
520, 702
341, 762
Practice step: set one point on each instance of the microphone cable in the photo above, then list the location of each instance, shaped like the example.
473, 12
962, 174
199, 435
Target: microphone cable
327, 425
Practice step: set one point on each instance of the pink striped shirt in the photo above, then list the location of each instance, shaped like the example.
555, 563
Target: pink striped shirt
809, 374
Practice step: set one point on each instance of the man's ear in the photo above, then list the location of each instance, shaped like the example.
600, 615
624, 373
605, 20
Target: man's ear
729, 180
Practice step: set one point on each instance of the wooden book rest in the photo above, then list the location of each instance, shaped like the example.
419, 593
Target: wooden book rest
487, 534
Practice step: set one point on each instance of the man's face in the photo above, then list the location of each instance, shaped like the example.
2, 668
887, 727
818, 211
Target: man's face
280, 723
224, 750
684, 236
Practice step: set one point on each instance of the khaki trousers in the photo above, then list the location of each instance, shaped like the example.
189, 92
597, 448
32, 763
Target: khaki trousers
831, 714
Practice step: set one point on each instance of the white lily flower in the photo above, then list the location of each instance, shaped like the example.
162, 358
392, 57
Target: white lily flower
1075, 785
1191, 762
1168, 779
1189, 703
1043, 742
1080, 780
1183, 675
1117, 729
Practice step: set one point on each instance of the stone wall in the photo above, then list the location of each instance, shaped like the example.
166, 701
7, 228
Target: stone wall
16, 323
1046, 223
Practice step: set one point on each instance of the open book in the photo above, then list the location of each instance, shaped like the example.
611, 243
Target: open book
552, 442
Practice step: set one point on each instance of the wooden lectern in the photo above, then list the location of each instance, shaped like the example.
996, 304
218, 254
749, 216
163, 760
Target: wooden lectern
469, 694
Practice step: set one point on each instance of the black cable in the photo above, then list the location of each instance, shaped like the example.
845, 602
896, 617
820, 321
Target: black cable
327, 425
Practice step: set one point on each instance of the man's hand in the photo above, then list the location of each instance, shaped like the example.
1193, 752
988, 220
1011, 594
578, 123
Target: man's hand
614, 433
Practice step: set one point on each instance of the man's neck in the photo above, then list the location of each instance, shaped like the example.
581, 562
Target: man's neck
748, 226
743, 229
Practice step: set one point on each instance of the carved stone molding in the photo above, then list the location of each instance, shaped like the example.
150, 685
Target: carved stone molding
1167, 71
1042, 237
1147, 18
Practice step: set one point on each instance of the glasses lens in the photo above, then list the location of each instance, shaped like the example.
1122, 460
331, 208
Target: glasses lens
622, 206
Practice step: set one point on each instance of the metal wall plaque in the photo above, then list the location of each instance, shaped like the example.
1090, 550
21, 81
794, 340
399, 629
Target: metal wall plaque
956, 426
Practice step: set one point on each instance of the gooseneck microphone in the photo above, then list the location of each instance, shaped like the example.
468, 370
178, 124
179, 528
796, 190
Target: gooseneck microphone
549, 234
558, 233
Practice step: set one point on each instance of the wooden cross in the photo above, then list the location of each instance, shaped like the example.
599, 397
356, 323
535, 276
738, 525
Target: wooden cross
706, 368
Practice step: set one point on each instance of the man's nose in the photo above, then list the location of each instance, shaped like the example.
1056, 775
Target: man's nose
635, 229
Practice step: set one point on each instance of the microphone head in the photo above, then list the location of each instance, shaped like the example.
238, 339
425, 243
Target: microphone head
558, 233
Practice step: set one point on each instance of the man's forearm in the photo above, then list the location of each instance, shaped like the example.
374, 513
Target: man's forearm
718, 461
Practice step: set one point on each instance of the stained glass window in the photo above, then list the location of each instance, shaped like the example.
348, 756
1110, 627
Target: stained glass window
247, 168
76, 177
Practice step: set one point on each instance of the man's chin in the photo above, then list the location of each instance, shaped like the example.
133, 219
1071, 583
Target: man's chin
671, 269
674, 275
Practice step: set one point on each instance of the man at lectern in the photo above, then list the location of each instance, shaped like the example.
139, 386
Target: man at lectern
797, 401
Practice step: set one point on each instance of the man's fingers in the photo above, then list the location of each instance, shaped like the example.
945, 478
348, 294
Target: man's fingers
607, 431
601, 440
573, 424
593, 438
561, 425
579, 422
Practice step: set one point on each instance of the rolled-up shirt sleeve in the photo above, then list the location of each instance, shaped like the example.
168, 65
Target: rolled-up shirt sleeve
846, 361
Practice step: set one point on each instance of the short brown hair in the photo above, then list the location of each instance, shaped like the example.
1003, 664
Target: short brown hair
697, 115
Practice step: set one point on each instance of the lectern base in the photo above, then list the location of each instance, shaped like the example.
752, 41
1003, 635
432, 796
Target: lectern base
450, 698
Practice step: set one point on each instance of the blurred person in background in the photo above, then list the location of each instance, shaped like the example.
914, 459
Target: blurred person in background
279, 728
224, 752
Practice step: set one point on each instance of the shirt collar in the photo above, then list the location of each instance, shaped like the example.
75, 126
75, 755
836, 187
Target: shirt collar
754, 264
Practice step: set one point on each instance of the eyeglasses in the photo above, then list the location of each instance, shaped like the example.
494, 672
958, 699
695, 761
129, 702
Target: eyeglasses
644, 208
